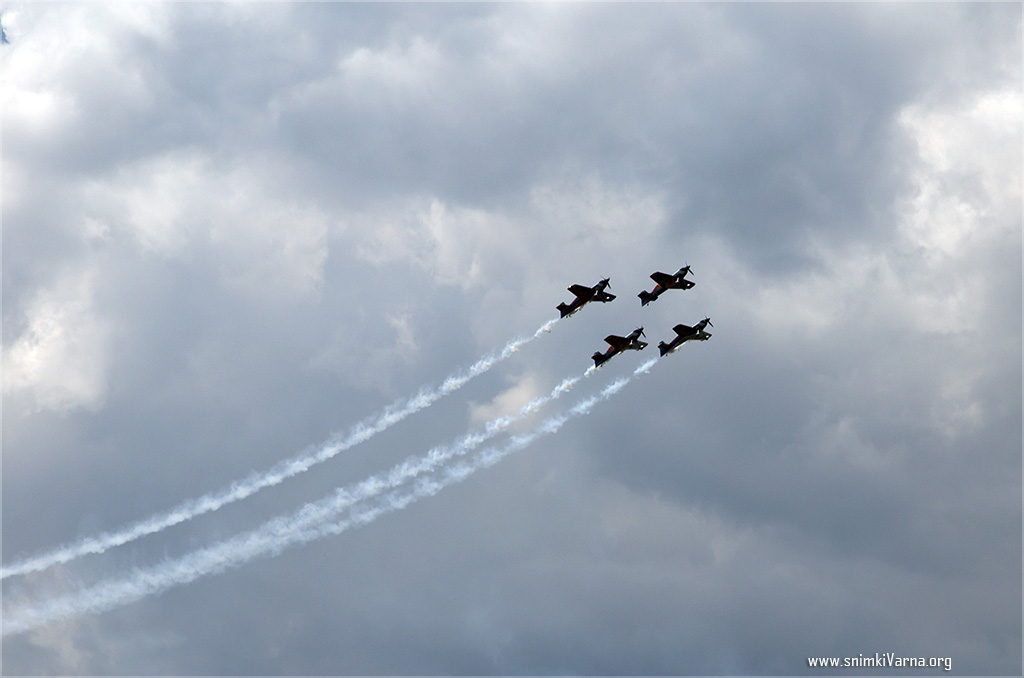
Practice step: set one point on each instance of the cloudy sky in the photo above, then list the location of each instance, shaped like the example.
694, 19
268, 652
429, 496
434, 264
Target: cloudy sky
232, 232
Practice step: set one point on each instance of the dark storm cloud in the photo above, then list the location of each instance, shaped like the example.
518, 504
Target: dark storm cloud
231, 230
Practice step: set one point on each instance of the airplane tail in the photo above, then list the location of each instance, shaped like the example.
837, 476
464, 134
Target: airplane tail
645, 298
563, 308
664, 348
599, 358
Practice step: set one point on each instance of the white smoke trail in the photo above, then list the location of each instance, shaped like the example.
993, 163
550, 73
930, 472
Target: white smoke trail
308, 523
458, 472
257, 481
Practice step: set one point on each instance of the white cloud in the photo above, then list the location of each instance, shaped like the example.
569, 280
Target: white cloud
275, 247
462, 237
405, 338
396, 75
509, 401
61, 358
584, 207
267, 243
965, 207
450, 242
369, 364
151, 200
58, 53
464, 245
968, 175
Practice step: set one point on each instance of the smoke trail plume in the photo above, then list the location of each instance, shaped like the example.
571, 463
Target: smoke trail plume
310, 522
459, 472
280, 472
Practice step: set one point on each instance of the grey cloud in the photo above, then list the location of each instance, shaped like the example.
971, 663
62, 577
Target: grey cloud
356, 200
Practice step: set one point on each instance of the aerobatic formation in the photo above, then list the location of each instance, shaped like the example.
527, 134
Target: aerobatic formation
631, 342
348, 507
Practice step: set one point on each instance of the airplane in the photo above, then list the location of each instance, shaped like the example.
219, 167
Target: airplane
666, 282
619, 344
585, 294
686, 333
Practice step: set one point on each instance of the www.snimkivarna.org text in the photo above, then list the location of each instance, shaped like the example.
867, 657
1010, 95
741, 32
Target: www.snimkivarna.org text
881, 660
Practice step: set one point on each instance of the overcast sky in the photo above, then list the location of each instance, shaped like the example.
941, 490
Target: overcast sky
233, 231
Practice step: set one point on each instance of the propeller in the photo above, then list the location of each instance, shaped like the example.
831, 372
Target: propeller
642, 331
708, 321
607, 282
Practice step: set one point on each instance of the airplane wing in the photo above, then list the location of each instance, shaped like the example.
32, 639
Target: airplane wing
603, 296
663, 279
581, 290
617, 342
683, 330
